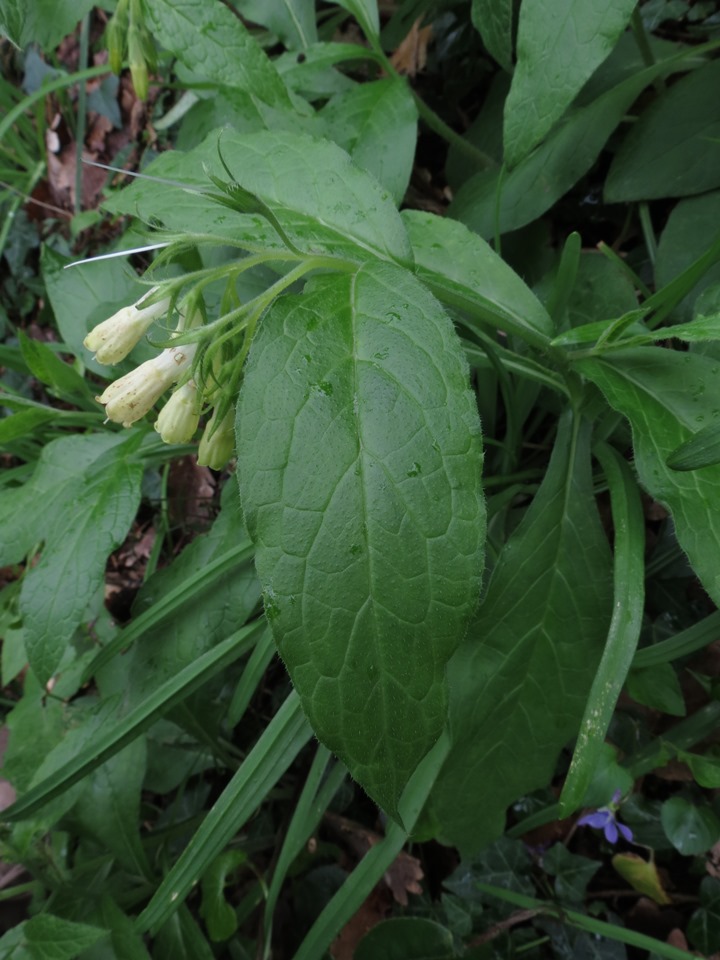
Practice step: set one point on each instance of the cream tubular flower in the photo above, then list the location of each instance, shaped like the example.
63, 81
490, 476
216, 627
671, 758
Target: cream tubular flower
129, 398
217, 443
113, 339
178, 419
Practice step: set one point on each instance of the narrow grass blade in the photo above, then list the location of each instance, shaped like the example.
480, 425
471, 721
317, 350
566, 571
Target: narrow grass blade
169, 603
283, 739
589, 924
682, 644
624, 631
314, 801
350, 897
166, 696
252, 674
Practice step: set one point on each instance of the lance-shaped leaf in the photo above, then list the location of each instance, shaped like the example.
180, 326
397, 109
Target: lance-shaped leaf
667, 396
207, 36
559, 46
359, 463
519, 683
324, 203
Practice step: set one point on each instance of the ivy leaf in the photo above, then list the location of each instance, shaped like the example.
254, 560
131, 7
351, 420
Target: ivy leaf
359, 465
519, 683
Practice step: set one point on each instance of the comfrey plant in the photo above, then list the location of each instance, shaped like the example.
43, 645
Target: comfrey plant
441, 461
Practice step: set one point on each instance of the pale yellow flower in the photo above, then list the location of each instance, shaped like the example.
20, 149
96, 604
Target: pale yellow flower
113, 339
178, 419
132, 396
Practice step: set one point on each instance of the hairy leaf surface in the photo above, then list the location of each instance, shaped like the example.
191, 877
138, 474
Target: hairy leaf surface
324, 203
558, 48
519, 683
464, 268
359, 464
207, 37
667, 396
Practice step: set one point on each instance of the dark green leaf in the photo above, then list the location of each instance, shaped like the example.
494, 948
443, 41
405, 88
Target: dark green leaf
23, 424
704, 926
572, 873
207, 36
80, 501
531, 655
558, 49
49, 369
44, 22
406, 938
666, 395
505, 201
377, 124
674, 148
705, 768
657, 687
494, 21
690, 829
359, 465
692, 227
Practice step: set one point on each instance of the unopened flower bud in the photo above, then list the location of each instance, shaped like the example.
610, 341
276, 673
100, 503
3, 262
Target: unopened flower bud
217, 443
132, 396
178, 419
113, 339
138, 64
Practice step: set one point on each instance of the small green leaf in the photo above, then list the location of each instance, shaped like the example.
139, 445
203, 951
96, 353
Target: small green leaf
493, 19
219, 916
657, 687
49, 369
23, 424
674, 148
690, 829
572, 873
705, 768
377, 124
206, 36
701, 450
359, 466
531, 654
558, 49
406, 938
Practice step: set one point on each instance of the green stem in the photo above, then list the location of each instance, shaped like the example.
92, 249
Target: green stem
437, 125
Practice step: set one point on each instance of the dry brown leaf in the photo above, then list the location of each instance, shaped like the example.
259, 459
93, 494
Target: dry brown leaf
403, 876
191, 491
376, 908
411, 55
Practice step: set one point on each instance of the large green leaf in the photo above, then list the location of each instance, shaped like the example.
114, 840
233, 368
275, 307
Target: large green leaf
324, 203
377, 124
498, 199
518, 684
207, 36
80, 501
559, 46
494, 20
674, 148
667, 395
46, 937
460, 266
359, 464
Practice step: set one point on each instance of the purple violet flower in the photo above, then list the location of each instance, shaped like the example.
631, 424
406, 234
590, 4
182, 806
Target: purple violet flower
605, 819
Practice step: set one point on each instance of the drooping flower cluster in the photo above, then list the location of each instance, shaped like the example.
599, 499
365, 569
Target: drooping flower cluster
130, 398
